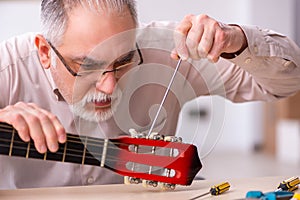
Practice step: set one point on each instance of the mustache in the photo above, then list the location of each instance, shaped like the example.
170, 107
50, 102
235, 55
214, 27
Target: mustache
97, 97
93, 97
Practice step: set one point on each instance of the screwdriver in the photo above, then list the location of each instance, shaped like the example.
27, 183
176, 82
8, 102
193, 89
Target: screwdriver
215, 190
290, 184
165, 96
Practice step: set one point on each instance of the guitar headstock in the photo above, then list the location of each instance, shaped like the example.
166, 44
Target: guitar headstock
156, 160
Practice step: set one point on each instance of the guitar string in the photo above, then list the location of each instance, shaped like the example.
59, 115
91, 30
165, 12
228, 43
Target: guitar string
91, 142
92, 148
99, 145
90, 155
71, 152
95, 142
78, 137
109, 157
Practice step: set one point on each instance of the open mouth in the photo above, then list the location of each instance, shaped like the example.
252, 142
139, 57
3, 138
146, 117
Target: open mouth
103, 103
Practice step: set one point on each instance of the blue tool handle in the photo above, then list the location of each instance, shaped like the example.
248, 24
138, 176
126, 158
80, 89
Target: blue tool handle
269, 196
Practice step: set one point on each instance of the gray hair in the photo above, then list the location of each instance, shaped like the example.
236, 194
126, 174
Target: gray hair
54, 13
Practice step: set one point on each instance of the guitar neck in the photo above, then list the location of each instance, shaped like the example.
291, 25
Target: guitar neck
77, 149
159, 160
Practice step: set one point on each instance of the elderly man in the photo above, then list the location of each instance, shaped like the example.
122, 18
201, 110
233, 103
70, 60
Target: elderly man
95, 70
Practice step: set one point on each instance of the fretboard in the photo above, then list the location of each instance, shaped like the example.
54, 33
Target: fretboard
77, 149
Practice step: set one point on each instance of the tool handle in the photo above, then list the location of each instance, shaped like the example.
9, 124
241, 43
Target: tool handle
288, 184
219, 189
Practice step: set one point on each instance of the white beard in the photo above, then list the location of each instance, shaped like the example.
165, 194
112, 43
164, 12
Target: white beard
79, 109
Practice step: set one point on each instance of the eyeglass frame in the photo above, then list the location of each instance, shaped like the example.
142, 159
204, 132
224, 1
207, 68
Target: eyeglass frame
64, 62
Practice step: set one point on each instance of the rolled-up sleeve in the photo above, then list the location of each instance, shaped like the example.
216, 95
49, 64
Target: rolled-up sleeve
272, 59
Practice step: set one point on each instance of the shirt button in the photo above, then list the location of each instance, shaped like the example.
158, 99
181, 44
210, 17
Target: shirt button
248, 60
90, 180
287, 63
255, 49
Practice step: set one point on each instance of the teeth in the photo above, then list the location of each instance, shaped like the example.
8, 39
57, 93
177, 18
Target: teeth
98, 97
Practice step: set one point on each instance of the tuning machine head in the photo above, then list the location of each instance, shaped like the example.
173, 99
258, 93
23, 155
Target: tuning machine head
155, 136
172, 139
135, 134
147, 183
167, 186
162, 186
131, 180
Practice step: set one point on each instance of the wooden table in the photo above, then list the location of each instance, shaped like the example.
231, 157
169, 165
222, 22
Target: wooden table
239, 188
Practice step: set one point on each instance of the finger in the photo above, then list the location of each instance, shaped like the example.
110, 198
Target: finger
36, 132
56, 124
194, 37
34, 124
217, 47
174, 55
43, 132
21, 127
180, 35
206, 42
12, 116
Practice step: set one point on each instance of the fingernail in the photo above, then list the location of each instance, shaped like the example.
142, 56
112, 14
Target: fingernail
26, 138
62, 138
43, 148
54, 147
183, 57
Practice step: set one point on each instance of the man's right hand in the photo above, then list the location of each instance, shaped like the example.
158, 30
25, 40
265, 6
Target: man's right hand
30, 121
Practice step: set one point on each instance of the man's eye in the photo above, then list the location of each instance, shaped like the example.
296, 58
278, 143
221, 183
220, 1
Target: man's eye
124, 61
89, 66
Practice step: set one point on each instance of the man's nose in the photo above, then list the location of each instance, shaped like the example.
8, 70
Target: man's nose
106, 83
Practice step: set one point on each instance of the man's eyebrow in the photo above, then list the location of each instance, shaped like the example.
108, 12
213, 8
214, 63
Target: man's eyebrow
127, 56
87, 60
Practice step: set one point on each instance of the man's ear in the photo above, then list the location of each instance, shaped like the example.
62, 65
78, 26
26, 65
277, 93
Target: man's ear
44, 51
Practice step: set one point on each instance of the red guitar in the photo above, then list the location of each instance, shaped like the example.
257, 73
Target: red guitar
150, 161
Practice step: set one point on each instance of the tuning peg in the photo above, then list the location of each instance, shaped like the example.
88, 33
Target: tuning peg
131, 180
155, 136
147, 183
167, 186
135, 134
172, 139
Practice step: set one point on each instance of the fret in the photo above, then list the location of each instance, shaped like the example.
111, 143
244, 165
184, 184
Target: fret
112, 153
19, 148
33, 153
104, 153
65, 150
45, 156
58, 155
94, 148
11, 142
84, 151
28, 149
75, 149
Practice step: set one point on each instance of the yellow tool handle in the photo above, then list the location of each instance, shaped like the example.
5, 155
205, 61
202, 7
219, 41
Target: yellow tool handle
219, 189
288, 184
296, 196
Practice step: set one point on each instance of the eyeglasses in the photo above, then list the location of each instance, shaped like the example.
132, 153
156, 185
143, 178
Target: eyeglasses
120, 66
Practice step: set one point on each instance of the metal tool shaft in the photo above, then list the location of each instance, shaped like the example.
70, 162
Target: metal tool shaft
165, 96
202, 195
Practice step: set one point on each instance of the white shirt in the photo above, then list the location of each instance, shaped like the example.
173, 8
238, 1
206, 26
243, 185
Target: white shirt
267, 70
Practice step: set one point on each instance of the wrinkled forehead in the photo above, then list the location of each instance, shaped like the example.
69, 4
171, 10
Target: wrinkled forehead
114, 47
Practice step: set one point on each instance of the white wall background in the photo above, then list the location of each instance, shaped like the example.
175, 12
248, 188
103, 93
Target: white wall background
18, 16
243, 123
